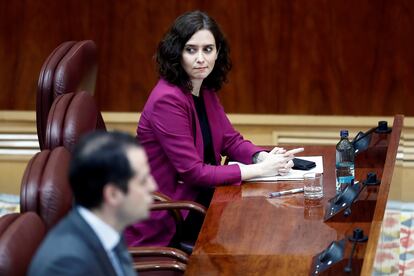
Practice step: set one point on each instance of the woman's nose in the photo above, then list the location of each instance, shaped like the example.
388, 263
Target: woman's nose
200, 57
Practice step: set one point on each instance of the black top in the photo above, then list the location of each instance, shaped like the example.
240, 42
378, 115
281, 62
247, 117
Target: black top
205, 129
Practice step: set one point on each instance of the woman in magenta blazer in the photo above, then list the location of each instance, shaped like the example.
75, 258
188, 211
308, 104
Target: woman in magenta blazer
185, 131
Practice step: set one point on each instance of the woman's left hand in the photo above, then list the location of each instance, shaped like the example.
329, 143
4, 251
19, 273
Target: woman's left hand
286, 169
282, 153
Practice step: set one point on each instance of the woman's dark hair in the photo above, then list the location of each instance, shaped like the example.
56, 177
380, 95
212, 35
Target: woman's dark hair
170, 49
98, 159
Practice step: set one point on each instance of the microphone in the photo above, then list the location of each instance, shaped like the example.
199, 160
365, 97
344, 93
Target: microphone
357, 236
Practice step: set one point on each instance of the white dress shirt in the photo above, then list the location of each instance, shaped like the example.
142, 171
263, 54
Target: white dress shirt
107, 235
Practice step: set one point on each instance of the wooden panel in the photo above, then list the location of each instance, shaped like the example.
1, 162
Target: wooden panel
383, 195
290, 57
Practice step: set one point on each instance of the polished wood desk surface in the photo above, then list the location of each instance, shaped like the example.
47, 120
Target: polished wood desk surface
247, 233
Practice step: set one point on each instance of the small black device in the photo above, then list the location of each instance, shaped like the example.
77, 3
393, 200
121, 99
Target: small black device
302, 164
326, 259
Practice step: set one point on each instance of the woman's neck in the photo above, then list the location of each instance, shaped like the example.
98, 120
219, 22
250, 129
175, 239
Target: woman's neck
196, 87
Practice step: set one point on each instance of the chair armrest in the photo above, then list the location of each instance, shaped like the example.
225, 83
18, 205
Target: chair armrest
175, 213
174, 205
158, 251
159, 266
164, 203
161, 197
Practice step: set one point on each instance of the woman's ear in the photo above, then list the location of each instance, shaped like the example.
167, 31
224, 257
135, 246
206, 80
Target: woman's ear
217, 53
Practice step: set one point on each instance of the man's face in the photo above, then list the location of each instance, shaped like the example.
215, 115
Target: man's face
136, 202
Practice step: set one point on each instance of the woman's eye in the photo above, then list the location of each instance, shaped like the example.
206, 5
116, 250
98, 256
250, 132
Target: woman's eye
208, 49
190, 50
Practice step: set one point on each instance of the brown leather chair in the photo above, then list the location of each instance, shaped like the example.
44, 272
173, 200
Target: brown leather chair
20, 236
6, 220
75, 114
71, 67
45, 186
160, 268
46, 190
163, 202
169, 261
71, 116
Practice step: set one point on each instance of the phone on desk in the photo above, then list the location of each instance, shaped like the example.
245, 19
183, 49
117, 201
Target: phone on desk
302, 164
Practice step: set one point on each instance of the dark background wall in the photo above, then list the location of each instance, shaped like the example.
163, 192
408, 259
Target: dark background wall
353, 57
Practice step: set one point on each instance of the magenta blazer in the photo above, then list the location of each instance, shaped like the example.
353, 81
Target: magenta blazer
170, 133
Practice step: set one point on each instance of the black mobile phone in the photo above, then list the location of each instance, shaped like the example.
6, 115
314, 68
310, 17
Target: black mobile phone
302, 164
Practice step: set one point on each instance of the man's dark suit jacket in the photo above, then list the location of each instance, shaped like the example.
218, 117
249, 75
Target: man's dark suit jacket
71, 248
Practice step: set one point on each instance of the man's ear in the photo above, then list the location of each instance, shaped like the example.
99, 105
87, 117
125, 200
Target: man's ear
111, 194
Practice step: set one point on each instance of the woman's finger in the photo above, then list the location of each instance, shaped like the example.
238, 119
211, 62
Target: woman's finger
294, 151
277, 150
289, 164
274, 150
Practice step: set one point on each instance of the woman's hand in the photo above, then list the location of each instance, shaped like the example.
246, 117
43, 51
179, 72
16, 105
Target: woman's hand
290, 154
277, 161
275, 164
282, 159
262, 155
286, 169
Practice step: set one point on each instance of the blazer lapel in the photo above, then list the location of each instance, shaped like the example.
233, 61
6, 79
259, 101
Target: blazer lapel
87, 233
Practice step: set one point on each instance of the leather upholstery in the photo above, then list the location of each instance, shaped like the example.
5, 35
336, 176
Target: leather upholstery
77, 69
6, 220
71, 67
19, 241
45, 93
45, 187
71, 116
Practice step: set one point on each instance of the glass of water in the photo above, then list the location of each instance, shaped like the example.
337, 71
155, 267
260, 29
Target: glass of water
313, 185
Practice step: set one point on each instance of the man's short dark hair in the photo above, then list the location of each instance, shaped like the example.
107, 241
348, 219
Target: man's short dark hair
98, 159
170, 49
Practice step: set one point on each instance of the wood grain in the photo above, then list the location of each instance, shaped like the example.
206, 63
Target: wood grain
384, 189
245, 232
290, 57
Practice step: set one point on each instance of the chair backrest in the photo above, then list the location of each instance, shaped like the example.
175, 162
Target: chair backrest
71, 116
6, 220
45, 187
71, 67
19, 239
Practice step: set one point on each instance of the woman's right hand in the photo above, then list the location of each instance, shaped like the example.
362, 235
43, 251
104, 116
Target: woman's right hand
275, 164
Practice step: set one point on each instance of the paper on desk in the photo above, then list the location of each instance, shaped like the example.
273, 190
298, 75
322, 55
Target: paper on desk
293, 174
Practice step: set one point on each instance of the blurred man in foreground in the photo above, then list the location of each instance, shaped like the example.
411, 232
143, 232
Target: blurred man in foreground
112, 185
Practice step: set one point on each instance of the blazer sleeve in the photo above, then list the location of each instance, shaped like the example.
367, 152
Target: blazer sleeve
172, 125
234, 145
67, 265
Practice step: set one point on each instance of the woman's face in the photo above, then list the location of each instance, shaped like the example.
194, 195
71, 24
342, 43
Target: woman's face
199, 55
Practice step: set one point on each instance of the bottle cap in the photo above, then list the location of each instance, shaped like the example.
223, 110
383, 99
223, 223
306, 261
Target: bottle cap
344, 133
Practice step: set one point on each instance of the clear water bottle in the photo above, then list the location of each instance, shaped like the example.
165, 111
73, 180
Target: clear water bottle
345, 162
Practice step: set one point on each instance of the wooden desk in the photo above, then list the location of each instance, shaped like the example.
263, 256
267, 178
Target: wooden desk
246, 233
